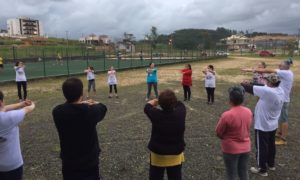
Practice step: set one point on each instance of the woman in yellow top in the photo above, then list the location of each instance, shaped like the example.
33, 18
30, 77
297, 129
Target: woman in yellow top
167, 138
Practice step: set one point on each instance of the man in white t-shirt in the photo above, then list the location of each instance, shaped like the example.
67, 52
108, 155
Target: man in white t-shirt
266, 115
11, 161
286, 77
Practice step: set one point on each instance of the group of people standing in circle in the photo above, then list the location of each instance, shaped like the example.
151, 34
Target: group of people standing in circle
76, 121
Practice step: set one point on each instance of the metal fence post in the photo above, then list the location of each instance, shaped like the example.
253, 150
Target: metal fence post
104, 61
131, 58
14, 53
104, 58
68, 69
44, 64
87, 59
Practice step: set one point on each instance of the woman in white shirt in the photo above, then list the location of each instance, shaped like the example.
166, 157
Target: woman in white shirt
112, 81
21, 80
210, 83
90, 76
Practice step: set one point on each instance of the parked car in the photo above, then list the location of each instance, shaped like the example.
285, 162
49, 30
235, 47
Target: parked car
222, 53
266, 53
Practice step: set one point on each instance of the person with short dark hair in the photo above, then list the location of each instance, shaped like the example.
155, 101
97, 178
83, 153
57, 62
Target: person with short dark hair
233, 129
210, 83
166, 144
76, 122
151, 80
11, 161
21, 80
266, 115
187, 81
90, 76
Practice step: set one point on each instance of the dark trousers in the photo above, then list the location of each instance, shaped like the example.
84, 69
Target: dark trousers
82, 174
15, 174
22, 84
210, 94
157, 173
150, 87
92, 84
236, 166
265, 149
115, 88
187, 92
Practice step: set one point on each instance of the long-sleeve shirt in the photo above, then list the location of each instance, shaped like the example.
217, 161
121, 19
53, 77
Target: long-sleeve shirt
167, 136
186, 77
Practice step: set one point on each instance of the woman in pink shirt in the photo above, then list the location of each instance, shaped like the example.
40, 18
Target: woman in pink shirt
233, 129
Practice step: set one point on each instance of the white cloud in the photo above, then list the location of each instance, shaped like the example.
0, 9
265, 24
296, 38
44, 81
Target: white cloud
113, 17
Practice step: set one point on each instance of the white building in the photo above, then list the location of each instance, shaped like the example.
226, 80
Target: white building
96, 40
24, 26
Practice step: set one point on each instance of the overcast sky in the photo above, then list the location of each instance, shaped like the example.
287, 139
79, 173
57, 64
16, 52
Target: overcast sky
114, 17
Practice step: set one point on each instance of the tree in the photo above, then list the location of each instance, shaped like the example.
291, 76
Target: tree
152, 37
127, 37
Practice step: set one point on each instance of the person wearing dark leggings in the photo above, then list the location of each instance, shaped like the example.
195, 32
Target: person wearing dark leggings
112, 82
151, 80
210, 83
111, 88
187, 81
210, 94
21, 80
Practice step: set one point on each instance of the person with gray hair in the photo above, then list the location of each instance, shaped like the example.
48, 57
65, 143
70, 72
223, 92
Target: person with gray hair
286, 77
233, 129
266, 115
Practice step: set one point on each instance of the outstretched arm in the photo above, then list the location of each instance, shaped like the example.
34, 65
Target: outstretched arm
259, 70
248, 87
28, 106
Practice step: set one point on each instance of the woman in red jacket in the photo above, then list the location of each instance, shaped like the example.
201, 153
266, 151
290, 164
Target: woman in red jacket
187, 81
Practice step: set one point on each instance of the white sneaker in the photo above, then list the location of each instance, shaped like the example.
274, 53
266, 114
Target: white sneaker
272, 168
258, 171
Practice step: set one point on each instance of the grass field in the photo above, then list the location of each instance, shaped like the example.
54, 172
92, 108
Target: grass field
125, 131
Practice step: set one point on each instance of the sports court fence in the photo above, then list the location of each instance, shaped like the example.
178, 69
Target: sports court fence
44, 64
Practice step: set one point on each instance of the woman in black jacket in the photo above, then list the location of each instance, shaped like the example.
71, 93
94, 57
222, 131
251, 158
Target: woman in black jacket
167, 136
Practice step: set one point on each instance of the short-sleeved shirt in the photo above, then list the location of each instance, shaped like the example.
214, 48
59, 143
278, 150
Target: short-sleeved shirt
286, 78
268, 107
111, 77
210, 80
152, 76
20, 74
10, 151
234, 130
90, 75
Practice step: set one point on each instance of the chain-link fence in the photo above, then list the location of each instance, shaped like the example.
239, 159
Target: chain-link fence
44, 62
